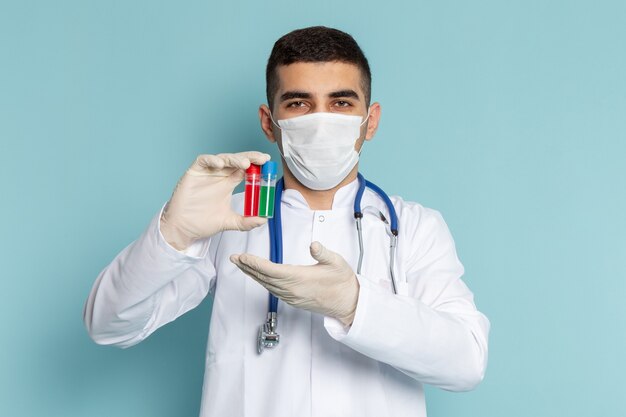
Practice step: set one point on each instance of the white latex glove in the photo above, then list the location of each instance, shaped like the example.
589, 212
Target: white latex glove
330, 287
200, 204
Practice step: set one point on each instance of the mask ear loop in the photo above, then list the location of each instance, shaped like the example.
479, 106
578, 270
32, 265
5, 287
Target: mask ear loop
366, 117
279, 128
365, 121
273, 121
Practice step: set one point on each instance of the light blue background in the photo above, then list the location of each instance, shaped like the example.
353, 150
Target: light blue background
508, 117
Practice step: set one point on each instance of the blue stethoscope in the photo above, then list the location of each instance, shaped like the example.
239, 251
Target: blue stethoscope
268, 338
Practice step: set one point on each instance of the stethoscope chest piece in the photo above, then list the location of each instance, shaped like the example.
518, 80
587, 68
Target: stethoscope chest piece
268, 338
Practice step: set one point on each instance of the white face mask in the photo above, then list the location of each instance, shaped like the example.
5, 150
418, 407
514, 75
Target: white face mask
319, 147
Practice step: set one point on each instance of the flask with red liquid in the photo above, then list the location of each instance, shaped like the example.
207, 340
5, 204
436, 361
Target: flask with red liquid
251, 192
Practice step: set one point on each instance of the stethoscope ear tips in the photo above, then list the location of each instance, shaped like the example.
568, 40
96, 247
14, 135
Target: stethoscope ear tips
373, 210
376, 212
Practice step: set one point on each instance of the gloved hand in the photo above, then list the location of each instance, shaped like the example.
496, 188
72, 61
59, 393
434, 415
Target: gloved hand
330, 287
200, 204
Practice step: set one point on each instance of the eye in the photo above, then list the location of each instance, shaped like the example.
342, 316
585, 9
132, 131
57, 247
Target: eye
296, 104
343, 103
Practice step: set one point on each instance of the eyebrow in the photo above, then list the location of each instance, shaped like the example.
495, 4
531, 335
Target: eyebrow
289, 95
294, 94
344, 93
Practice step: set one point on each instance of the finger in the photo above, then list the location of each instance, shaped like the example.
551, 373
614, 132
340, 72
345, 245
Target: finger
210, 165
267, 282
244, 223
209, 162
264, 281
235, 160
242, 160
226, 164
237, 175
322, 255
256, 275
255, 157
266, 267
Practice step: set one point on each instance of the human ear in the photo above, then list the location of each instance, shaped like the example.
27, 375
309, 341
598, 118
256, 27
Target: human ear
266, 122
372, 123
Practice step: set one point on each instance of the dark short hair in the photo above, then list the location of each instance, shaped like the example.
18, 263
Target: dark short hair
316, 44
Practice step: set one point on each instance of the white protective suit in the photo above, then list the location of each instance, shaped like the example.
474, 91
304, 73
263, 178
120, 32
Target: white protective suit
429, 333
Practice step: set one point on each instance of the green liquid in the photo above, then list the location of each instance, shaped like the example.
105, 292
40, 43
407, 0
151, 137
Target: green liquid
266, 201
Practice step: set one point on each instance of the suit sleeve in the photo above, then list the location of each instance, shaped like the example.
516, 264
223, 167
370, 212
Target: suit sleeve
147, 285
433, 334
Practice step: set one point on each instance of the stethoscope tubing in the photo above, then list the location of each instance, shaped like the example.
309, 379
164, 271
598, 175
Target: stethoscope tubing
276, 238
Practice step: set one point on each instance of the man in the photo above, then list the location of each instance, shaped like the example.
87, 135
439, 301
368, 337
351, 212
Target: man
349, 344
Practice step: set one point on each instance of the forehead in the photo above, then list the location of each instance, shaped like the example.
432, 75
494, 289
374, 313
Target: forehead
319, 77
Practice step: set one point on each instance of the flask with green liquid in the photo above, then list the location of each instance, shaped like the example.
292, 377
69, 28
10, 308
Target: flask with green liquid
268, 188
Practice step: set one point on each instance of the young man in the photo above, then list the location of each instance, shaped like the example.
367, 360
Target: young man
350, 344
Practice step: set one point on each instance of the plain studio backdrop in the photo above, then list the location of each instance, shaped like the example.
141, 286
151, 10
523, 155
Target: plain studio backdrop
507, 116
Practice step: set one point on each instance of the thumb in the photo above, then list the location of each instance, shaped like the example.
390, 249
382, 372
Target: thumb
321, 254
242, 223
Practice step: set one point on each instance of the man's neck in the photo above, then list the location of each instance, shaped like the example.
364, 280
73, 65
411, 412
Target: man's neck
317, 200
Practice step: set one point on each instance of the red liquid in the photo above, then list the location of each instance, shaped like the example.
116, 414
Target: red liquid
251, 196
